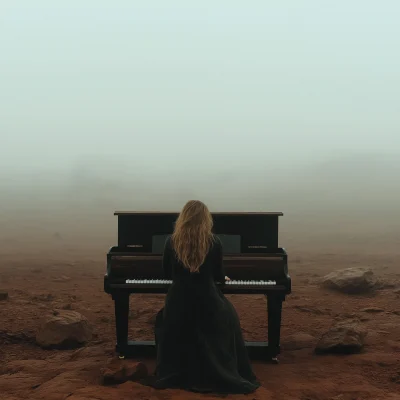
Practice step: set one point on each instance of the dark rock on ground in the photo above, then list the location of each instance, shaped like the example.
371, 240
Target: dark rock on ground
3, 295
16, 337
120, 371
311, 310
372, 310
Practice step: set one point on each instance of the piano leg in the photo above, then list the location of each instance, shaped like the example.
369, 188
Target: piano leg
274, 326
121, 304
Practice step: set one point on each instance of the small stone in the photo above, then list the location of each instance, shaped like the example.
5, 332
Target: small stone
120, 371
43, 297
311, 310
372, 310
3, 295
343, 338
36, 270
62, 278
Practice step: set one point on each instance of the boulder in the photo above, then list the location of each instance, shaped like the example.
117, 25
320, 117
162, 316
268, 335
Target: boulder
65, 329
351, 280
120, 371
343, 338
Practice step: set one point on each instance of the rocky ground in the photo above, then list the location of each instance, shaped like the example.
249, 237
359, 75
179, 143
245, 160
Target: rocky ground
340, 334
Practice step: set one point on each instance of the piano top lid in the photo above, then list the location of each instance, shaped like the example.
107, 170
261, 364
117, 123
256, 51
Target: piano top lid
214, 213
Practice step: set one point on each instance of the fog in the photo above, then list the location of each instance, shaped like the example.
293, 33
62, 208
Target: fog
275, 106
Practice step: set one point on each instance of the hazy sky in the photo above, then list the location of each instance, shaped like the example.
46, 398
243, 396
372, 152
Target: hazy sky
212, 81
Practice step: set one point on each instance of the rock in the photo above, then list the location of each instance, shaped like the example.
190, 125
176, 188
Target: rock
43, 297
311, 310
120, 371
65, 330
372, 310
62, 278
351, 280
17, 337
343, 338
299, 341
3, 295
351, 316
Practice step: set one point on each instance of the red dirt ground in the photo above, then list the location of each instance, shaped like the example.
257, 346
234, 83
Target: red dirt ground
56, 272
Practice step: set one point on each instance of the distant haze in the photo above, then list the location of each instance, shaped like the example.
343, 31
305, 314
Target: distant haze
286, 106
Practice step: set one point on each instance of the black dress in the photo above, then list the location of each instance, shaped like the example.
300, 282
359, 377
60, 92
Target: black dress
200, 346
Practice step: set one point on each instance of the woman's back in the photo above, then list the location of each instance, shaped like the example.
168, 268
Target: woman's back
210, 270
198, 335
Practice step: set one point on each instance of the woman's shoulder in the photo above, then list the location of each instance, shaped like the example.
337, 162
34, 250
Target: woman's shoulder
216, 241
168, 242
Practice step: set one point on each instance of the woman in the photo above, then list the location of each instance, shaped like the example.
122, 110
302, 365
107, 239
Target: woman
198, 336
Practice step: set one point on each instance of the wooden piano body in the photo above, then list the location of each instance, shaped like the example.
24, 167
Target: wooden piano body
252, 259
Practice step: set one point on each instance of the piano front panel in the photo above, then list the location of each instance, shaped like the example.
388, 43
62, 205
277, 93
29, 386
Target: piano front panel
237, 268
258, 232
131, 267
138, 229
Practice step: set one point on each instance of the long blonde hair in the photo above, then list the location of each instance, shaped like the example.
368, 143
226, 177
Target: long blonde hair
192, 236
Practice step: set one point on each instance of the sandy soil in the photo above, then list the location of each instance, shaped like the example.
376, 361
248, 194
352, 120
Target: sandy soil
61, 271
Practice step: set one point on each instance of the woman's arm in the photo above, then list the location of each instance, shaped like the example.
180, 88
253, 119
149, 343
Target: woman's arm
166, 262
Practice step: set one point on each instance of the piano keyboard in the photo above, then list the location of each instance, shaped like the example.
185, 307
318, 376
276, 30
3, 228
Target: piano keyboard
252, 283
169, 282
149, 281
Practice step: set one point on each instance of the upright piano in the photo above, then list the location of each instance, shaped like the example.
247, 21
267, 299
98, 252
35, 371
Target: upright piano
252, 260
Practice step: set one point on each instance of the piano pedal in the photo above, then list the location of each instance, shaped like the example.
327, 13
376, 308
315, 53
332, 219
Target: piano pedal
121, 357
274, 360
